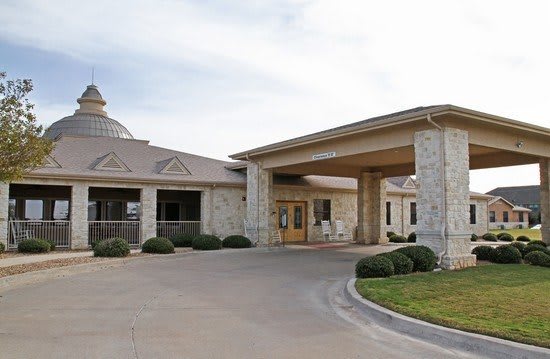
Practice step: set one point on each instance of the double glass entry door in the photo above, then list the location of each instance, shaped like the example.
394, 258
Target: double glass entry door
292, 220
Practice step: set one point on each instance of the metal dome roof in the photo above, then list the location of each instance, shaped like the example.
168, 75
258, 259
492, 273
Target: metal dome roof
90, 120
89, 125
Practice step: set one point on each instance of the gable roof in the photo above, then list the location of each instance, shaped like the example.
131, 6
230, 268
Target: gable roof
520, 195
514, 207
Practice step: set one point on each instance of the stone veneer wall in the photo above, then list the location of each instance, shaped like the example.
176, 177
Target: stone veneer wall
228, 211
4, 213
544, 166
343, 207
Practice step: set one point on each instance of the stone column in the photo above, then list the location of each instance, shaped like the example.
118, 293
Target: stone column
260, 205
4, 213
545, 199
79, 215
206, 211
443, 197
371, 200
148, 213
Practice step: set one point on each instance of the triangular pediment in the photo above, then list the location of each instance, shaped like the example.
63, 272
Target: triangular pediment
176, 167
50, 162
409, 183
111, 162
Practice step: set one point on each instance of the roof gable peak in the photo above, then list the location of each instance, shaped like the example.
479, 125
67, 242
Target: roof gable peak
175, 167
111, 162
50, 162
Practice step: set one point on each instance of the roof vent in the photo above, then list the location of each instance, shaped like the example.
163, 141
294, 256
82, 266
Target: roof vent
176, 167
111, 162
409, 183
50, 162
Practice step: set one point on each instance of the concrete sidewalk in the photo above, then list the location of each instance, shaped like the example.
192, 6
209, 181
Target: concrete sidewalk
35, 258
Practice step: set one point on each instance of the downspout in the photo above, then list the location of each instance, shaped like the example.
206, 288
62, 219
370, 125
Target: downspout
444, 194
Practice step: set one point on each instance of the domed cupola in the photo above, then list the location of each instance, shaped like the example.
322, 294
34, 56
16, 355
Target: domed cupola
89, 120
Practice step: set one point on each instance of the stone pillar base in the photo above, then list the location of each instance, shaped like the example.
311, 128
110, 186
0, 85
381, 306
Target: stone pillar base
458, 262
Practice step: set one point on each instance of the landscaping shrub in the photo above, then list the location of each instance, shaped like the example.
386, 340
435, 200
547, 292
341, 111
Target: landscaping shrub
474, 237
2, 247
236, 241
396, 238
374, 267
538, 258
389, 234
423, 258
401, 263
505, 254
182, 240
537, 242
520, 246
501, 234
158, 245
523, 239
534, 248
33, 245
412, 237
94, 243
506, 237
482, 252
111, 247
52, 244
206, 242
490, 237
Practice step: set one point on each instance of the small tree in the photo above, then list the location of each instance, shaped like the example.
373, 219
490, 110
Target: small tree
22, 147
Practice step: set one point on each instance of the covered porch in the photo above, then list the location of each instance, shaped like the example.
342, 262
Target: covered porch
438, 144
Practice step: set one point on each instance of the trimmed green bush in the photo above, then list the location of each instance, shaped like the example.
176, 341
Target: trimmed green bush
506, 237
535, 247
501, 234
2, 247
33, 245
490, 237
505, 254
520, 246
482, 252
389, 234
537, 242
112, 247
236, 241
158, 245
182, 240
206, 242
94, 243
538, 258
412, 237
52, 244
523, 239
401, 263
474, 237
396, 238
424, 259
374, 267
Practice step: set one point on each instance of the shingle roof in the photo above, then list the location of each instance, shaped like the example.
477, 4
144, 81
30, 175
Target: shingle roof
518, 195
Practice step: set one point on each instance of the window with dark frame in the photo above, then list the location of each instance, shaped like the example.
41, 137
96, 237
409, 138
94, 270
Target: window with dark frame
505, 216
321, 210
492, 216
388, 213
521, 216
413, 213
472, 214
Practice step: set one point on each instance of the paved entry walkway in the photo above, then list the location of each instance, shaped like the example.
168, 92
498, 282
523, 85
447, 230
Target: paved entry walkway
252, 303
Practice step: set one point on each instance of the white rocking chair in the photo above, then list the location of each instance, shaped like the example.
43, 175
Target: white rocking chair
275, 238
251, 233
346, 236
19, 233
327, 232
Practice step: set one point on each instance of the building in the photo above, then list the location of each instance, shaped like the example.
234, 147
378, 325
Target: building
522, 196
505, 215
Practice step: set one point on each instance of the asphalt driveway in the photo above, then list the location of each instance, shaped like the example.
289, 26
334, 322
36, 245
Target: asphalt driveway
257, 303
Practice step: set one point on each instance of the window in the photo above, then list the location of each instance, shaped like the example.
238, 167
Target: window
113, 211
388, 213
521, 216
60, 210
133, 211
505, 216
283, 217
297, 217
472, 214
413, 213
321, 210
492, 217
94, 211
34, 209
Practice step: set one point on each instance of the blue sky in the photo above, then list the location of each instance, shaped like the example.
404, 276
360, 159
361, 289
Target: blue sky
217, 77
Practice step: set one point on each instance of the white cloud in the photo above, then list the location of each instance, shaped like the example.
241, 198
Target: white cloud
227, 77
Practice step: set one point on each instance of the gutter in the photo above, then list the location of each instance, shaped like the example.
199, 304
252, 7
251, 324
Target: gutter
444, 196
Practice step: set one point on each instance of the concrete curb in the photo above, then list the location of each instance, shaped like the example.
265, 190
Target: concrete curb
474, 343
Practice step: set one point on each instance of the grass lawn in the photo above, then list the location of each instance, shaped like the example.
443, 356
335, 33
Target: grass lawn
531, 233
508, 301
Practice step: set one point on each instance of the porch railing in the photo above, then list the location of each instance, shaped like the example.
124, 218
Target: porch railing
129, 230
57, 231
168, 229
